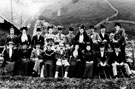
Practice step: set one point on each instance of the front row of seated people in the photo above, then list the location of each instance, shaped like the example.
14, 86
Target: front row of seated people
81, 59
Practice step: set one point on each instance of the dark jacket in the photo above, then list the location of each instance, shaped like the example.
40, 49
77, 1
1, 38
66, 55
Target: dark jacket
35, 41
120, 58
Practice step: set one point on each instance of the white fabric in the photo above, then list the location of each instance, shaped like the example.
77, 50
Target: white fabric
81, 37
102, 54
42, 72
103, 34
38, 52
75, 53
10, 52
117, 53
24, 37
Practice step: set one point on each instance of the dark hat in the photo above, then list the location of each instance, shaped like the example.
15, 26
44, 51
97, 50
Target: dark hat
102, 26
71, 29
117, 24
82, 26
24, 28
38, 29
91, 27
60, 27
50, 27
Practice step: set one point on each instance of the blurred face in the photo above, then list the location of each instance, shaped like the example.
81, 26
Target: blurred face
24, 46
76, 46
102, 49
81, 31
67, 46
117, 49
24, 31
37, 46
49, 48
50, 31
117, 28
88, 48
10, 45
60, 31
103, 30
12, 31
92, 31
70, 32
38, 32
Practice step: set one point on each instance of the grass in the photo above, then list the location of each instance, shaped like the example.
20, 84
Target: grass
50, 83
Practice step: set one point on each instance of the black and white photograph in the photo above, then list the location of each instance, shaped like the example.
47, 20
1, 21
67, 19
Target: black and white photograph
67, 44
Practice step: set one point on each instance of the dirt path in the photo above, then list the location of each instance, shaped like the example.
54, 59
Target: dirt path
107, 20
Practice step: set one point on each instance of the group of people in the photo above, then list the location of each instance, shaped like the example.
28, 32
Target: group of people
87, 54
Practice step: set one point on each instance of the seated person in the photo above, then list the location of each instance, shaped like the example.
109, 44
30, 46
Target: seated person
48, 62
62, 60
118, 59
24, 60
9, 54
36, 58
102, 62
89, 62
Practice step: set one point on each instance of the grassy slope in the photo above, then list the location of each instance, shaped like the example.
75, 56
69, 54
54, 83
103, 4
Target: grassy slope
84, 11
126, 9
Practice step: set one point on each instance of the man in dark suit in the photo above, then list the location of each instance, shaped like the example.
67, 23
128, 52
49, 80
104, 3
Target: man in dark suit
118, 59
104, 37
38, 39
102, 61
70, 36
94, 36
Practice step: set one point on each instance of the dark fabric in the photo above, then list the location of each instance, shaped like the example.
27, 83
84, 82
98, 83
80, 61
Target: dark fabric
28, 42
35, 41
14, 39
88, 70
105, 57
106, 37
120, 58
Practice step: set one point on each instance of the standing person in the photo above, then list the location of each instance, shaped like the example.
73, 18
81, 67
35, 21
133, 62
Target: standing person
60, 37
95, 38
38, 38
49, 37
120, 37
81, 39
12, 37
70, 36
104, 37
24, 37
